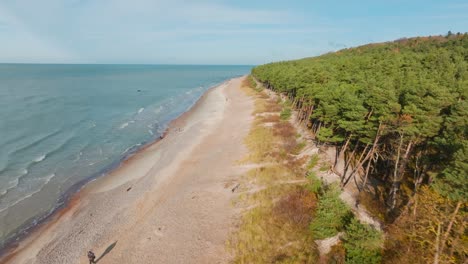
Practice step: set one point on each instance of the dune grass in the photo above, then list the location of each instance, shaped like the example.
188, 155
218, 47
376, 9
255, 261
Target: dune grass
278, 206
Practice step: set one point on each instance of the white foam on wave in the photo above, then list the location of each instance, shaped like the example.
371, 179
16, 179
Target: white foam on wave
48, 178
78, 156
124, 125
40, 158
13, 183
141, 110
10, 185
158, 110
151, 132
129, 148
45, 180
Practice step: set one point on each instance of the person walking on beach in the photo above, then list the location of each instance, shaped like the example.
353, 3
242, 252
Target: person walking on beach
91, 257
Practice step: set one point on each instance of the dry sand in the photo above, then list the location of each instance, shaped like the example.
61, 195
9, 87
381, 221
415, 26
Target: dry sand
169, 203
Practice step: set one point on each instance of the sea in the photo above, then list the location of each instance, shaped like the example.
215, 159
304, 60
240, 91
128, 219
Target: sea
61, 126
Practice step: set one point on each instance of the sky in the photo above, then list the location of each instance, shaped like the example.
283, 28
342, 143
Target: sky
247, 32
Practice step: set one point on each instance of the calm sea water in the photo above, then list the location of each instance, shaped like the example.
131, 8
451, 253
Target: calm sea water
65, 124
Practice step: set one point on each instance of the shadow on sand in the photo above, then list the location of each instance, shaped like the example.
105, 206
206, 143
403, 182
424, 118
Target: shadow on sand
108, 249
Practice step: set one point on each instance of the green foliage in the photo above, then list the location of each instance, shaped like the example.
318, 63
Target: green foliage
410, 93
402, 107
363, 244
331, 216
285, 113
315, 185
452, 181
314, 159
251, 82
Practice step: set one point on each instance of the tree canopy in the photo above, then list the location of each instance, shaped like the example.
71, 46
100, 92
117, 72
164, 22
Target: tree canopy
399, 111
413, 89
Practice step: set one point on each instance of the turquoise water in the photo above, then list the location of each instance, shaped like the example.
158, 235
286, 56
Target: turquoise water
62, 125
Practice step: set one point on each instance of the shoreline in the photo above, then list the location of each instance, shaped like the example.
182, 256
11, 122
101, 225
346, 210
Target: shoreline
66, 199
116, 178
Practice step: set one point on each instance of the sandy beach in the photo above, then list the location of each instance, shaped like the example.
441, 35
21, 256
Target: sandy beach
169, 203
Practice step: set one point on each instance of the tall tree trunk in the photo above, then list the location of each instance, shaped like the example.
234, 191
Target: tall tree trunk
364, 182
359, 163
456, 243
395, 174
342, 151
437, 242
374, 147
318, 129
450, 225
311, 110
370, 114
400, 169
368, 156
304, 113
350, 158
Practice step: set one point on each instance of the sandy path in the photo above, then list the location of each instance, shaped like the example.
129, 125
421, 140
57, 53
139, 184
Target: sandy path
170, 203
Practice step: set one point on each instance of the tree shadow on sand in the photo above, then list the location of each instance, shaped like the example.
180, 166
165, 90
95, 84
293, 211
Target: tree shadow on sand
108, 249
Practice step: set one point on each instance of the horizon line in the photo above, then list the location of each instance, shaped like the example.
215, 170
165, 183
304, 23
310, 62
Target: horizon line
148, 64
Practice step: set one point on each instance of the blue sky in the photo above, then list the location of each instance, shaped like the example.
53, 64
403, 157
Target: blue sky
210, 31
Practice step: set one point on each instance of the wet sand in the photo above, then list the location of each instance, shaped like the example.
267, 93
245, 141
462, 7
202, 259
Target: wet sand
169, 203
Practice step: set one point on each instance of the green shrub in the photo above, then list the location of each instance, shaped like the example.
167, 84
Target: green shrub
314, 159
287, 103
363, 244
299, 147
332, 214
251, 82
285, 113
315, 185
324, 167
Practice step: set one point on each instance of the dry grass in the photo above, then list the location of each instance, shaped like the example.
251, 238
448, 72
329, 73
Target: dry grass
260, 142
246, 82
297, 165
264, 238
245, 86
266, 106
274, 228
265, 176
284, 130
296, 207
273, 118
273, 107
